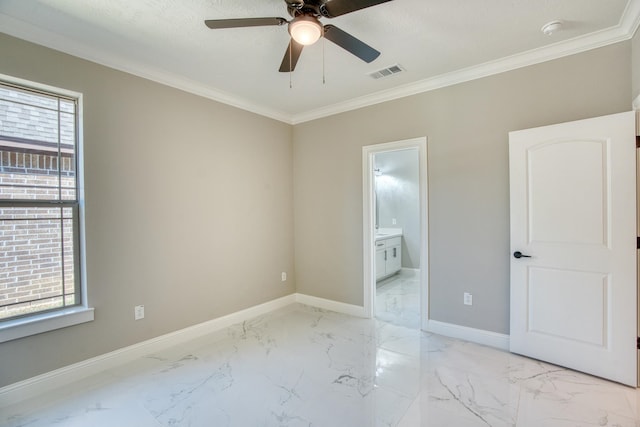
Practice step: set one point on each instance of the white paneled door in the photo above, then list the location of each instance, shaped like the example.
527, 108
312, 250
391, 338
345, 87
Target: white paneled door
573, 245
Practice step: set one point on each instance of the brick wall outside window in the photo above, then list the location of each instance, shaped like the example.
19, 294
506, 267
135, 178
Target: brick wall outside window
31, 265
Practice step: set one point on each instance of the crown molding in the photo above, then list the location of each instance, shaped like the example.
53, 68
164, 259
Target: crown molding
25, 31
630, 20
625, 30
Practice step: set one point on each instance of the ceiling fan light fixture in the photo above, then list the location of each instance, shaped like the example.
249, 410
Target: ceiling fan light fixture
305, 29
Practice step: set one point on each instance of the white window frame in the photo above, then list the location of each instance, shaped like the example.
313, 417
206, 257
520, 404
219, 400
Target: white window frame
37, 323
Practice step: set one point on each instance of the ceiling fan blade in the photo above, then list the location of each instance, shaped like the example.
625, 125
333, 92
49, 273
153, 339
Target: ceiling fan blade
243, 22
291, 56
350, 43
333, 8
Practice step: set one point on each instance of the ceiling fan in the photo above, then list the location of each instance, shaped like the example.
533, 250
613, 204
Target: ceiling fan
305, 27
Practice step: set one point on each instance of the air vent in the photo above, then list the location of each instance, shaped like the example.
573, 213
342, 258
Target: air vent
386, 72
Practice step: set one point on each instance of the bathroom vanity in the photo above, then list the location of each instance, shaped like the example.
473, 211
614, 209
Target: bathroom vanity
388, 252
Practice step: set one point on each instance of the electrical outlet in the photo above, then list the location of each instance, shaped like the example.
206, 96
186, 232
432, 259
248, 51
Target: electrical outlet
468, 299
138, 312
393, 221
284, 276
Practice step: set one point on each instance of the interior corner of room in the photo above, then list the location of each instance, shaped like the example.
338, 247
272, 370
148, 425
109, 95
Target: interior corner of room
250, 197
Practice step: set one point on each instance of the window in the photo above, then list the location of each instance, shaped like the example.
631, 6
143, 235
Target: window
40, 256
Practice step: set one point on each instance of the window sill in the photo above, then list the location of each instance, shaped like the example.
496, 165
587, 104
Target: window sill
45, 322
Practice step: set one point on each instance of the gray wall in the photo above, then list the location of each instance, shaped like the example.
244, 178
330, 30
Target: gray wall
467, 129
175, 236
635, 64
398, 196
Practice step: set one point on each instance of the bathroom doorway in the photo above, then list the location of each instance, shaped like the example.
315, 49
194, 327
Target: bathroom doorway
395, 231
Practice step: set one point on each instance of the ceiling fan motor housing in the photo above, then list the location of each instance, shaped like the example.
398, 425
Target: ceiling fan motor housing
309, 7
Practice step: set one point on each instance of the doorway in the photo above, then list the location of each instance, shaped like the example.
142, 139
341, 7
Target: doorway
415, 243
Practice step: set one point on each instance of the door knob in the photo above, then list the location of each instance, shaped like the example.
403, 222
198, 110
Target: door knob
518, 254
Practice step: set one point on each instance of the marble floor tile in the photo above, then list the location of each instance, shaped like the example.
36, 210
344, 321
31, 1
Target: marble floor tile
302, 366
398, 300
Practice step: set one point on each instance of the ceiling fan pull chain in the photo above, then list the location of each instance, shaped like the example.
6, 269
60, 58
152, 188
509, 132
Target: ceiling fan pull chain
290, 70
324, 81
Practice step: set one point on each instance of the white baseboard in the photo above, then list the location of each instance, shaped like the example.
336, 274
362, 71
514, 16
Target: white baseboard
32, 387
479, 336
327, 304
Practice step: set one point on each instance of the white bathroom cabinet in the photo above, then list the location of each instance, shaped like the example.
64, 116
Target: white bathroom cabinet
388, 256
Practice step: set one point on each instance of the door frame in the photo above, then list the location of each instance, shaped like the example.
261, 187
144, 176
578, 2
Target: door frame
638, 235
368, 222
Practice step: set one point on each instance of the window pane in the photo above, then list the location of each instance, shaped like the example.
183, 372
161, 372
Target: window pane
31, 176
36, 273
68, 177
8, 214
17, 183
29, 307
67, 130
68, 106
16, 95
28, 122
37, 146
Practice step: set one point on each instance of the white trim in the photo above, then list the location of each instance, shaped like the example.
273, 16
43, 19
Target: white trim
84, 279
625, 30
479, 336
32, 387
41, 86
20, 391
44, 322
630, 20
368, 247
326, 304
33, 34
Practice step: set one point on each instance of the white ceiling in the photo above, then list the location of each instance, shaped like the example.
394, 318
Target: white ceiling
438, 42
